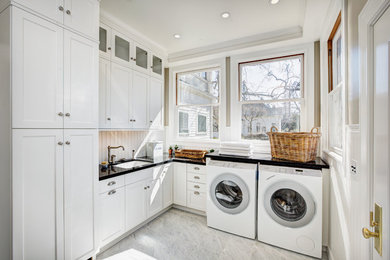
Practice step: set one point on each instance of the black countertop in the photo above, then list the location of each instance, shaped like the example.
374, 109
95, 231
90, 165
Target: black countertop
318, 164
114, 171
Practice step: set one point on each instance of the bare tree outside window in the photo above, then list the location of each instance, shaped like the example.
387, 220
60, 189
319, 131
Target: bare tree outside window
271, 93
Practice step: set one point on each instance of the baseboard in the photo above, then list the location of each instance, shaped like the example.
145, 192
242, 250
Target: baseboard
193, 211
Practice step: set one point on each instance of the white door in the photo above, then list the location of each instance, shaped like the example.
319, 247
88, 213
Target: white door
180, 184
104, 93
154, 197
140, 57
53, 9
136, 195
121, 49
381, 184
37, 192
80, 192
105, 41
37, 72
156, 103
80, 82
121, 80
83, 16
111, 215
139, 100
167, 184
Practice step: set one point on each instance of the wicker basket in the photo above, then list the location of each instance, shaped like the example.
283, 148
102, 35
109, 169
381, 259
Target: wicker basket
192, 154
300, 147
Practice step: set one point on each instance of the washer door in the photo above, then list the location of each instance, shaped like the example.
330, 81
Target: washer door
289, 204
229, 193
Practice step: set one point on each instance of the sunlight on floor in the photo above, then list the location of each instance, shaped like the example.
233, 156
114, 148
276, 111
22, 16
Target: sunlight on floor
130, 254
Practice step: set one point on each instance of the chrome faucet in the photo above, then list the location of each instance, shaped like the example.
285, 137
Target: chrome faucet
111, 158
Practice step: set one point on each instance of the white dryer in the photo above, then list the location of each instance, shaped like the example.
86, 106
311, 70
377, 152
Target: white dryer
231, 197
290, 209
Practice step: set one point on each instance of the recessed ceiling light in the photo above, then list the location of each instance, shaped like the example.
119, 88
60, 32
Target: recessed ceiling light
274, 2
177, 36
225, 15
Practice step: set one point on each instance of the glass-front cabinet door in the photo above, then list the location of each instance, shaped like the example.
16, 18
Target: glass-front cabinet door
157, 66
105, 41
121, 46
141, 59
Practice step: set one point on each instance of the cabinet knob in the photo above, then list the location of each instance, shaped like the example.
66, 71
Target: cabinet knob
196, 192
145, 188
60, 143
196, 177
196, 168
68, 12
67, 143
67, 114
151, 121
151, 67
148, 187
196, 186
60, 114
111, 192
111, 183
61, 8
109, 118
109, 48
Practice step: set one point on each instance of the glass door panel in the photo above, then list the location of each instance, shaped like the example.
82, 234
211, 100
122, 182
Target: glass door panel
122, 48
157, 65
102, 39
141, 58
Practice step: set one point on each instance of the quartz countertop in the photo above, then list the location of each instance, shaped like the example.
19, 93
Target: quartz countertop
318, 164
114, 171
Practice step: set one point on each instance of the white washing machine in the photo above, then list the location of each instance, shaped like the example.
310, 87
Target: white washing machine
231, 197
290, 209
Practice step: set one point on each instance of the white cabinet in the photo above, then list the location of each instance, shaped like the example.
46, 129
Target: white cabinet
154, 197
121, 81
79, 15
136, 197
80, 82
112, 215
139, 100
37, 194
179, 184
157, 67
196, 200
55, 76
156, 99
80, 192
167, 184
54, 193
140, 58
37, 72
104, 93
82, 16
105, 41
121, 49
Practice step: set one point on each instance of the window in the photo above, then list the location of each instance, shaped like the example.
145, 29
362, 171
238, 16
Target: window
197, 96
271, 94
183, 123
202, 124
335, 87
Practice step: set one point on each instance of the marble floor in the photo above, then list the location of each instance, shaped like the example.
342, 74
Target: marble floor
179, 235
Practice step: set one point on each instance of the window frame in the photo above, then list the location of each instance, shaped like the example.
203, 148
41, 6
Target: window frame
202, 137
197, 126
301, 100
335, 31
188, 130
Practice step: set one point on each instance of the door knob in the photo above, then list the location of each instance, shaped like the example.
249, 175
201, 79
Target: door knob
368, 234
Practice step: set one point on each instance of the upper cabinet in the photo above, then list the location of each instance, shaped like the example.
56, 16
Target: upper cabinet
79, 15
54, 75
121, 49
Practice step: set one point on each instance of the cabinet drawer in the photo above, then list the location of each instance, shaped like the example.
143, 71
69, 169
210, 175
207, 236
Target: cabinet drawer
193, 186
196, 177
111, 184
140, 175
195, 168
196, 200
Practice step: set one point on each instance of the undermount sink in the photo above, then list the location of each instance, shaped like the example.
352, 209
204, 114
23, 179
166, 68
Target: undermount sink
132, 164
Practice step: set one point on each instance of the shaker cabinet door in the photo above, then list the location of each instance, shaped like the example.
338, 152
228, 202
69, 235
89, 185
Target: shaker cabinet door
139, 100
52, 9
37, 72
156, 93
81, 82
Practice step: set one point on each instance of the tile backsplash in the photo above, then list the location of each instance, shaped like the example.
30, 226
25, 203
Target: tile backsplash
131, 140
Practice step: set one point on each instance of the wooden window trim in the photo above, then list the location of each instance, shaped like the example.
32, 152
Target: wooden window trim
330, 52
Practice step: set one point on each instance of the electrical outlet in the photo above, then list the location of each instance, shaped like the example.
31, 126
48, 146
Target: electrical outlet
353, 166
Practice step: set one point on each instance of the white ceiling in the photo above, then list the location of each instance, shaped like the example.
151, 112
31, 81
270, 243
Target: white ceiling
199, 22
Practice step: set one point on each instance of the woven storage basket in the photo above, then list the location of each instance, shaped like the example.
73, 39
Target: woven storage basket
300, 147
192, 154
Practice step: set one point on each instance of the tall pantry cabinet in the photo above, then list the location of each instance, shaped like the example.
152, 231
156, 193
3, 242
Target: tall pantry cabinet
49, 72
